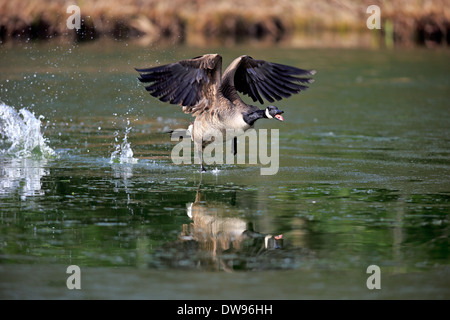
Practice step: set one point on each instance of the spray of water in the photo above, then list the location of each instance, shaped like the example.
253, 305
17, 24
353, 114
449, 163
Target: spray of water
20, 134
123, 152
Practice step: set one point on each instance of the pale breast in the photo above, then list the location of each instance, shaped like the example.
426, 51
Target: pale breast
216, 124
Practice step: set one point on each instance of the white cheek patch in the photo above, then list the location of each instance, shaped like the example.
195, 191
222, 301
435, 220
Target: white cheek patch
268, 114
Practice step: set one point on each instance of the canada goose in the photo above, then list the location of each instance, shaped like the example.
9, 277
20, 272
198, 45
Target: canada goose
198, 86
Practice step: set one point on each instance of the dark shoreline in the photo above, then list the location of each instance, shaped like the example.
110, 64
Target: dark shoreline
229, 22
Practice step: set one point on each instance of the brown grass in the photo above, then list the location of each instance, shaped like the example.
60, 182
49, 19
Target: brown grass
179, 20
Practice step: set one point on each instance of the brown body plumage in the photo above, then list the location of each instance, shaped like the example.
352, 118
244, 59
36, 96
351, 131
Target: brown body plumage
212, 98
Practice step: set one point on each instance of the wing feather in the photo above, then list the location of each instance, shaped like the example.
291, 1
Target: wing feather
262, 79
184, 82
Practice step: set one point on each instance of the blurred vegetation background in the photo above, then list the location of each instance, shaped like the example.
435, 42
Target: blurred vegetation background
403, 22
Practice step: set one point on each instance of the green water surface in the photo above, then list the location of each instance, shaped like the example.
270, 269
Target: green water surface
363, 180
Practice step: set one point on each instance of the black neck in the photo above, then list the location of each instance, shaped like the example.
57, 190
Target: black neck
250, 118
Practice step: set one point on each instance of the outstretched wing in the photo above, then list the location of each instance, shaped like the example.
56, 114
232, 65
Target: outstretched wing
191, 83
259, 78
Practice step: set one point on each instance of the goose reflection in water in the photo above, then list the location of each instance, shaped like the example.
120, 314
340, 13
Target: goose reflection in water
223, 233
219, 239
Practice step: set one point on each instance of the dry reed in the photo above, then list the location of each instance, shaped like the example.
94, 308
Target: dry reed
410, 20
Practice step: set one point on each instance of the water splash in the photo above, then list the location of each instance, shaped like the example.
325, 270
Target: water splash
123, 152
20, 134
215, 171
22, 176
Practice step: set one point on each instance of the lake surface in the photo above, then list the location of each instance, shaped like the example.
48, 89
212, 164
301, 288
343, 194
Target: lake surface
86, 178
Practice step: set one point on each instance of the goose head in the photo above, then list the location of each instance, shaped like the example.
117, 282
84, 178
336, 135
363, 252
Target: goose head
273, 112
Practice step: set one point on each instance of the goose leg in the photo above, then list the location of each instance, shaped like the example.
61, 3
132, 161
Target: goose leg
234, 146
199, 149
